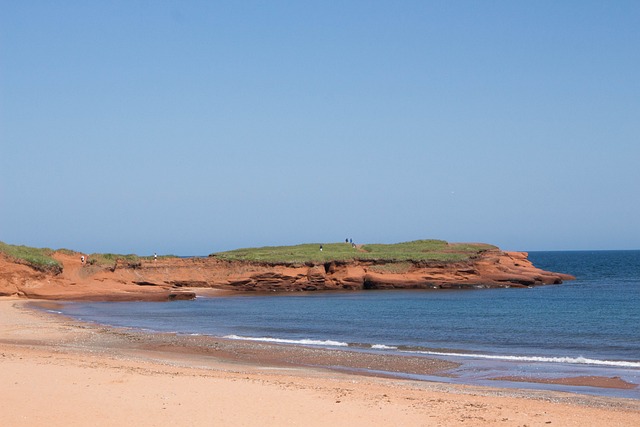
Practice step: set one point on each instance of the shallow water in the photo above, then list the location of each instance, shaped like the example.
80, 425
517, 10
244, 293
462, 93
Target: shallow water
586, 327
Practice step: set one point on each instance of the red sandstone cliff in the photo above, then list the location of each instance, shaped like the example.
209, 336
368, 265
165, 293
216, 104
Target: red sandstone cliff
177, 278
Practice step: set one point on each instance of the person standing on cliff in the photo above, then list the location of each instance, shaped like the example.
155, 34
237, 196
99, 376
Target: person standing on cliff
155, 256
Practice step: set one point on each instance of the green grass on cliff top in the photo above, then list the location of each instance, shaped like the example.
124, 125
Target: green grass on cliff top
41, 258
109, 260
418, 250
38, 258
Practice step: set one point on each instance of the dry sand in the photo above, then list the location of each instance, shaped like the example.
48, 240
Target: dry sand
62, 372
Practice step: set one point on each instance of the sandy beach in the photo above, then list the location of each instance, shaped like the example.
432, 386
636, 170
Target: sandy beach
62, 372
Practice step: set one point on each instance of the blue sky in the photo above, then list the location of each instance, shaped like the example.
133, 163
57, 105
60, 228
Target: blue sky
190, 127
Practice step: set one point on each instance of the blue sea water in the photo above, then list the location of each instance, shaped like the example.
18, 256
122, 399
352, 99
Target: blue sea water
590, 326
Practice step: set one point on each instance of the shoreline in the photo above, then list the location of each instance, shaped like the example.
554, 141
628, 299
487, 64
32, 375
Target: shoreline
45, 353
418, 364
365, 361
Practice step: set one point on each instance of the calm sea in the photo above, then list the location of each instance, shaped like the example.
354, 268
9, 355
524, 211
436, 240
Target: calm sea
590, 326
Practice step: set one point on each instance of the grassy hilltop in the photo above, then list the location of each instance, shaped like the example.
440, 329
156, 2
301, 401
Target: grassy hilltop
38, 258
42, 258
418, 250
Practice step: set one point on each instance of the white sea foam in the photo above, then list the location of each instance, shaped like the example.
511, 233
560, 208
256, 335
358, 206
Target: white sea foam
573, 360
287, 341
383, 347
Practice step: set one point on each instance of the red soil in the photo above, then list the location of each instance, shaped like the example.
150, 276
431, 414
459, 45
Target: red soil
177, 278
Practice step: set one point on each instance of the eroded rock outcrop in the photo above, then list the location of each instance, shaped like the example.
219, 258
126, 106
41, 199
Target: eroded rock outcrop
177, 278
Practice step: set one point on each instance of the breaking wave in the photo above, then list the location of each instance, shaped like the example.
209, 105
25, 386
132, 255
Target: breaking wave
540, 359
289, 341
383, 347
572, 360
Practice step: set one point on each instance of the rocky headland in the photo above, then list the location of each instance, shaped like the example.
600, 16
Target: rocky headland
170, 278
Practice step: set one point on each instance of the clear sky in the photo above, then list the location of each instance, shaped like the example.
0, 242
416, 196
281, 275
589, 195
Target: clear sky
189, 127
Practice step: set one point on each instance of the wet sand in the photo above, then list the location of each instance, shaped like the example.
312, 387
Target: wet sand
63, 372
583, 381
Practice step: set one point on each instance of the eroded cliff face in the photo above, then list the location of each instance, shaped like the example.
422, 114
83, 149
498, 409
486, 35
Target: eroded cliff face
490, 269
177, 278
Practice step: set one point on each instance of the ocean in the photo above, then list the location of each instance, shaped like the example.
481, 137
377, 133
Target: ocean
586, 327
